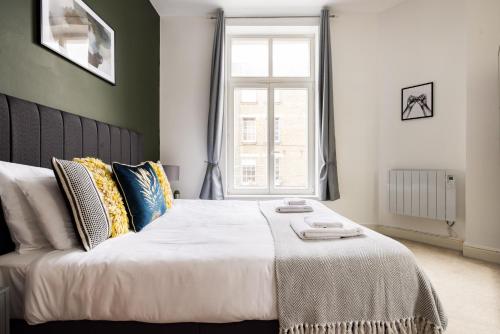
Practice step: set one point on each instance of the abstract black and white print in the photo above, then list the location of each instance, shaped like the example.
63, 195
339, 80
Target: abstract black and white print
417, 101
73, 30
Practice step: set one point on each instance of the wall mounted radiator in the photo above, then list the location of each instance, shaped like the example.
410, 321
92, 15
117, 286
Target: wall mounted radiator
423, 193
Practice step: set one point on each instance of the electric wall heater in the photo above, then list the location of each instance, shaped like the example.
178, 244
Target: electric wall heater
423, 193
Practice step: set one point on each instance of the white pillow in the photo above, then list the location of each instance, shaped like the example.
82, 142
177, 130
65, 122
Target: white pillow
19, 215
54, 218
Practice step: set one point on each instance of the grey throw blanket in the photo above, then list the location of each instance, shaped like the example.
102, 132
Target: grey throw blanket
368, 284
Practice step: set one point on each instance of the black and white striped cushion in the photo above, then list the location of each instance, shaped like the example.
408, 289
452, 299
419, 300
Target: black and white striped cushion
89, 213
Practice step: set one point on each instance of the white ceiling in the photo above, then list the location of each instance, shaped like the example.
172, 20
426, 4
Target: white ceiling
267, 7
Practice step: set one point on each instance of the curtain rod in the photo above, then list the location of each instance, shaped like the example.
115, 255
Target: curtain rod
271, 17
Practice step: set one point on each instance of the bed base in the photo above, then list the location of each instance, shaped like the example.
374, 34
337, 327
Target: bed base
130, 327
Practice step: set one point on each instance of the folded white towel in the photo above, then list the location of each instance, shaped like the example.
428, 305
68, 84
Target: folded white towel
304, 231
294, 201
294, 208
323, 221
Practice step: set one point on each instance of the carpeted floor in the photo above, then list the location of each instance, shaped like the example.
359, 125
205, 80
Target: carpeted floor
469, 289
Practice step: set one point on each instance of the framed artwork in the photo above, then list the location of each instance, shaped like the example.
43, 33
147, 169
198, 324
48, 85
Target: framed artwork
71, 29
417, 101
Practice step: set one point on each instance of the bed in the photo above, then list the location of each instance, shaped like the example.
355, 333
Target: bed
204, 266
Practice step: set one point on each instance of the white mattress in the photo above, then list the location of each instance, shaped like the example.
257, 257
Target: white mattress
13, 270
203, 261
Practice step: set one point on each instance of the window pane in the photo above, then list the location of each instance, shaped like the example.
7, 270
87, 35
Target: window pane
249, 57
250, 139
291, 151
291, 58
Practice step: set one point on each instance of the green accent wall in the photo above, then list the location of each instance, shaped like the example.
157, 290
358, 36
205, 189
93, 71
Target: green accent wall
32, 72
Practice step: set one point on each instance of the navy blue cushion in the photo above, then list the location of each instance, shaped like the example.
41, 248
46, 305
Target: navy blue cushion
142, 191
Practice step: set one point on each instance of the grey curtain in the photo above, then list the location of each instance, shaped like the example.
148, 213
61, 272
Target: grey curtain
212, 184
328, 179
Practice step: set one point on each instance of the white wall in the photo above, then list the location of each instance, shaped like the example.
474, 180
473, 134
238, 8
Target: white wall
422, 41
483, 124
354, 41
185, 56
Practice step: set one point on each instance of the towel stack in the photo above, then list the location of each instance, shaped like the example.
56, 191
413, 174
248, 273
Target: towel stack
324, 227
294, 205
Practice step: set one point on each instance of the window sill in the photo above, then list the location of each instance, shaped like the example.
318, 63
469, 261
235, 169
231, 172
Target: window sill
268, 197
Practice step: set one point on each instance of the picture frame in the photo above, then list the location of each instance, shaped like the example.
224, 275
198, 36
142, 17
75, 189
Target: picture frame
417, 101
74, 31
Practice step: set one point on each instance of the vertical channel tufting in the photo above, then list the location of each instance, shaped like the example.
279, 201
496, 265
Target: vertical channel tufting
51, 135
116, 147
32, 134
104, 142
4, 129
134, 146
140, 151
89, 130
73, 143
25, 132
125, 146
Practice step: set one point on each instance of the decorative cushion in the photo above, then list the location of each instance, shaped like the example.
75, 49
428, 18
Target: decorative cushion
165, 185
54, 218
142, 192
88, 209
107, 187
18, 213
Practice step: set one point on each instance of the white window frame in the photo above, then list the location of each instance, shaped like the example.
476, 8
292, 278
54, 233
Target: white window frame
270, 83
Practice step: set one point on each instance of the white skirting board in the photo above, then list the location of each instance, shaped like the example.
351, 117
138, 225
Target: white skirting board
467, 249
481, 253
426, 238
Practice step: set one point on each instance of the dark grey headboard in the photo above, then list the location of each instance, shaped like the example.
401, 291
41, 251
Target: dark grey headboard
31, 134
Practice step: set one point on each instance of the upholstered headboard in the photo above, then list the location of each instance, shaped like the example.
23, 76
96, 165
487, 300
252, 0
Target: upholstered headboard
31, 134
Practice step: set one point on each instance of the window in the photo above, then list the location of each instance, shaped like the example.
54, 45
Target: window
270, 92
277, 133
248, 171
248, 130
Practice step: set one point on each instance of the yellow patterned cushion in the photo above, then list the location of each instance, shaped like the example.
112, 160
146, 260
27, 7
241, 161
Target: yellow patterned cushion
165, 185
107, 187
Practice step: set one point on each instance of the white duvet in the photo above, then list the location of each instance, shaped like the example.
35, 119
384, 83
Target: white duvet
203, 261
